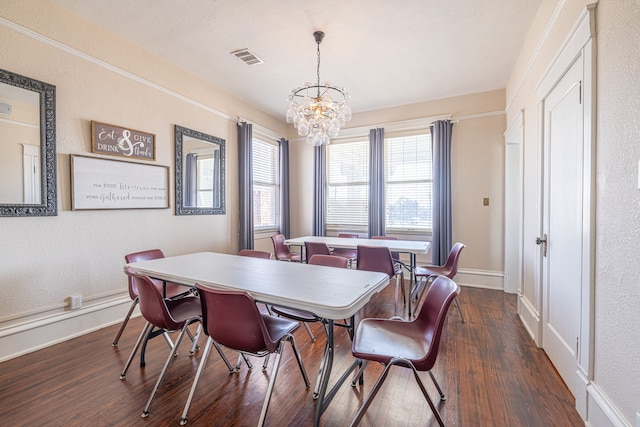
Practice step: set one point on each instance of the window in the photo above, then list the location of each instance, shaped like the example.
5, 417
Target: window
204, 180
348, 185
408, 183
266, 186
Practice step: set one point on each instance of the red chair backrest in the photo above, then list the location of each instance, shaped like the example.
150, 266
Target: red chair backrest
142, 256
349, 235
280, 249
152, 304
430, 319
255, 254
329, 261
372, 258
232, 319
452, 260
394, 255
313, 248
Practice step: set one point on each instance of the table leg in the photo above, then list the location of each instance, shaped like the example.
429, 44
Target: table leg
324, 397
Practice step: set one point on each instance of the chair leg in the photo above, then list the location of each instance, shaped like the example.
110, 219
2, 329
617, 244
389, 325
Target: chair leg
125, 321
358, 376
145, 412
194, 339
272, 380
435, 411
142, 336
299, 360
306, 326
370, 397
442, 396
203, 360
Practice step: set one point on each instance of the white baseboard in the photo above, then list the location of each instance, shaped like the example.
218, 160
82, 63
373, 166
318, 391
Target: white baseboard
480, 279
36, 334
601, 412
530, 318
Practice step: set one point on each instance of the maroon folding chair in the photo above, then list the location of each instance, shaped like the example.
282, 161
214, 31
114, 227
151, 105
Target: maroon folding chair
374, 258
351, 254
427, 273
281, 251
315, 248
172, 290
232, 319
165, 315
255, 253
410, 344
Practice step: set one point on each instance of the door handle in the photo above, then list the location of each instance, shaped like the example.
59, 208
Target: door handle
543, 242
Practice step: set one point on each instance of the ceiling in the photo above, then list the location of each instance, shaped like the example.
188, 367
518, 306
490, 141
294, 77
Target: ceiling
384, 53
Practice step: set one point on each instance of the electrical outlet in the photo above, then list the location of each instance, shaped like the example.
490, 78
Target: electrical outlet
75, 302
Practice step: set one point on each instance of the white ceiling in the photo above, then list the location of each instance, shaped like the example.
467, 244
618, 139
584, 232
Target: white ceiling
385, 53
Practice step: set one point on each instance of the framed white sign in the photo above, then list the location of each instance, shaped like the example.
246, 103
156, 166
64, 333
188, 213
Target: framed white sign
114, 184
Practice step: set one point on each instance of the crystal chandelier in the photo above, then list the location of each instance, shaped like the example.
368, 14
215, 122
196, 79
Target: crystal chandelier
318, 111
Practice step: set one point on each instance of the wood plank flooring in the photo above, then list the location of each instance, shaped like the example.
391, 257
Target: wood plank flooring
489, 368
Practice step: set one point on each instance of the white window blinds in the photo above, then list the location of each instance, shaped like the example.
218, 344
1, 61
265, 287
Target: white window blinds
348, 184
408, 183
266, 185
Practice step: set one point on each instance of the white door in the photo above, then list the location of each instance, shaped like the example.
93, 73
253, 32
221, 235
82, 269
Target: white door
562, 223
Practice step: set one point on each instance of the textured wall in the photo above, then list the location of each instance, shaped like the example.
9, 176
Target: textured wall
617, 355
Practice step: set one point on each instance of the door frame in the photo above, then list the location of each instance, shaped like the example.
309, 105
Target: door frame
514, 204
580, 46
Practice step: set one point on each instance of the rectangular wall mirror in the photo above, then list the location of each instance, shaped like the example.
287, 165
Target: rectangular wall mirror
199, 173
28, 145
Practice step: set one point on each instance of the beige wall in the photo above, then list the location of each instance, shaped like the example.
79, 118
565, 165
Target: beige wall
43, 260
615, 391
617, 331
477, 164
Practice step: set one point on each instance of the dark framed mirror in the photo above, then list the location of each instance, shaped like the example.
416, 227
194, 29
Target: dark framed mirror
200, 171
28, 176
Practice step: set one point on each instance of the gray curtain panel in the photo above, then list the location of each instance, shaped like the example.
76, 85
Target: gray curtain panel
319, 193
285, 216
245, 184
376, 183
441, 239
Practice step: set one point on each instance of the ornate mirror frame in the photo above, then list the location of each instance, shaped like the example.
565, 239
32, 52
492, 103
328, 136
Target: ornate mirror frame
48, 175
181, 209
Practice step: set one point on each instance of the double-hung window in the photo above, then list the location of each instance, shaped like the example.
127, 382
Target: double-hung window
408, 183
266, 187
347, 185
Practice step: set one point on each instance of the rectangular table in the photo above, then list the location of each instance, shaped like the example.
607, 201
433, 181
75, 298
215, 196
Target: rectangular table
331, 293
410, 247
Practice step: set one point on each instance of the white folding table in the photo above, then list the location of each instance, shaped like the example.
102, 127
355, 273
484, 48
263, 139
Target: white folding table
330, 293
410, 247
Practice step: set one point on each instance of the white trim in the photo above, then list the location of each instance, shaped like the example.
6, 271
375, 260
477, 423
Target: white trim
405, 125
17, 123
484, 279
35, 335
115, 69
530, 318
602, 412
536, 52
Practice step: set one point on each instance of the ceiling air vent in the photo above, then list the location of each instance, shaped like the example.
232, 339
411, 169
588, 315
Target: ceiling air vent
247, 57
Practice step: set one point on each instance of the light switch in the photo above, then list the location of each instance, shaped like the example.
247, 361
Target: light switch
485, 201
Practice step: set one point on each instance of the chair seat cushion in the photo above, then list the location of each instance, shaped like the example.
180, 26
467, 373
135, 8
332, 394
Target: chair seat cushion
381, 340
183, 309
428, 270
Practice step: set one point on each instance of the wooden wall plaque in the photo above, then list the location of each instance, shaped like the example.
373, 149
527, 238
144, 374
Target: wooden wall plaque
119, 141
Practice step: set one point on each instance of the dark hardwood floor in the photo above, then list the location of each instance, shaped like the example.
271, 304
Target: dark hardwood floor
489, 368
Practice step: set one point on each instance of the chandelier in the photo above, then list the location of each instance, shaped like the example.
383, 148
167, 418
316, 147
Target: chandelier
318, 111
